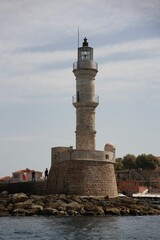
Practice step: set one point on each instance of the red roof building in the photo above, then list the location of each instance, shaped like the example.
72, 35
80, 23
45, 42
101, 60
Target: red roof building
138, 181
25, 175
4, 179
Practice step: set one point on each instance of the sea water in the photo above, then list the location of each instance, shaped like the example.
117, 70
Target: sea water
80, 228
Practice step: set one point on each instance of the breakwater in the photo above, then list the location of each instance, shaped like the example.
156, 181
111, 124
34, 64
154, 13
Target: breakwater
21, 204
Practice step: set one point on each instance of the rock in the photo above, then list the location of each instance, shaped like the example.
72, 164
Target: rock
19, 212
105, 203
74, 206
134, 212
37, 199
31, 212
3, 211
156, 211
36, 208
49, 211
75, 209
112, 211
76, 199
59, 205
124, 211
10, 207
28, 207
62, 197
99, 211
50, 198
93, 210
19, 197
62, 213
90, 213
73, 213
88, 206
63, 205
4, 193
3, 202
25, 205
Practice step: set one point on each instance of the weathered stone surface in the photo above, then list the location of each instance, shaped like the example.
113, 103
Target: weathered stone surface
19, 197
59, 205
36, 198
84, 173
19, 212
76, 199
27, 204
124, 211
3, 193
74, 206
63, 205
62, 213
112, 211
3, 211
37, 208
73, 213
49, 211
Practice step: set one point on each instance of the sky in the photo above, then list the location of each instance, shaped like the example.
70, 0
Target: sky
38, 46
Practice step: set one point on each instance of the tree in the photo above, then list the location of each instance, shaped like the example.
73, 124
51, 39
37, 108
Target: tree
129, 161
154, 159
146, 162
143, 161
118, 164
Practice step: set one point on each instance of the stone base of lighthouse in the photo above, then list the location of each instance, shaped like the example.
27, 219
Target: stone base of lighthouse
82, 172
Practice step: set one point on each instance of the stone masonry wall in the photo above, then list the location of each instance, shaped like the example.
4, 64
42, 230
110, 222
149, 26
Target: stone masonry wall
83, 177
61, 154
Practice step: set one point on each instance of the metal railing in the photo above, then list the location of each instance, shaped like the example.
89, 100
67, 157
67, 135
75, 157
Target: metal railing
94, 99
85, 65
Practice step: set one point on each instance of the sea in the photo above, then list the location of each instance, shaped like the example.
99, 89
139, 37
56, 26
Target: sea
80, 228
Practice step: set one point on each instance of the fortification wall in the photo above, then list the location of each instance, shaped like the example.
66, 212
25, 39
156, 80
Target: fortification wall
61, 154
83, 172
83, 177
36, 188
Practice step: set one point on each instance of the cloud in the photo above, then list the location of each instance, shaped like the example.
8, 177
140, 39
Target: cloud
151, 46
26, 62
45, 85
131, 80
27, 74
49, 21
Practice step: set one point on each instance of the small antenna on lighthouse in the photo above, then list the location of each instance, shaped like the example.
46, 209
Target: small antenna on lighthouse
78, 36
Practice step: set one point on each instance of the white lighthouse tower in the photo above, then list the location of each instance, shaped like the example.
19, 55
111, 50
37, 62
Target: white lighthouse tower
85, 101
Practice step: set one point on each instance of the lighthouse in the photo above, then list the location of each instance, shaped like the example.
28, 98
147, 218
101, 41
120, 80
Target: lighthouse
84, 170
85, 101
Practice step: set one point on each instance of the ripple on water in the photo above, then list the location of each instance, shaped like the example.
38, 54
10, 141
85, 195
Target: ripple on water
80, 228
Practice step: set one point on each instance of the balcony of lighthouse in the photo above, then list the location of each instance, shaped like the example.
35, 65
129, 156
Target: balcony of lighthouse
85, 65
90, 101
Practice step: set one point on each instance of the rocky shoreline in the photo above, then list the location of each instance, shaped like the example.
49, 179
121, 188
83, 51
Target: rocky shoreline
21, 204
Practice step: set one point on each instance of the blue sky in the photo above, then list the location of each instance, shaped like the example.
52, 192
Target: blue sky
38, 45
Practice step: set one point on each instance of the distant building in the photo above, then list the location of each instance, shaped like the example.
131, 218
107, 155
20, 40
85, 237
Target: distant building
137, 181
25, 175
22, 175
5, 179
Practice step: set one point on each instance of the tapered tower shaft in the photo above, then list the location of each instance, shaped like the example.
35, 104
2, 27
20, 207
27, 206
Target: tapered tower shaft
85, 101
